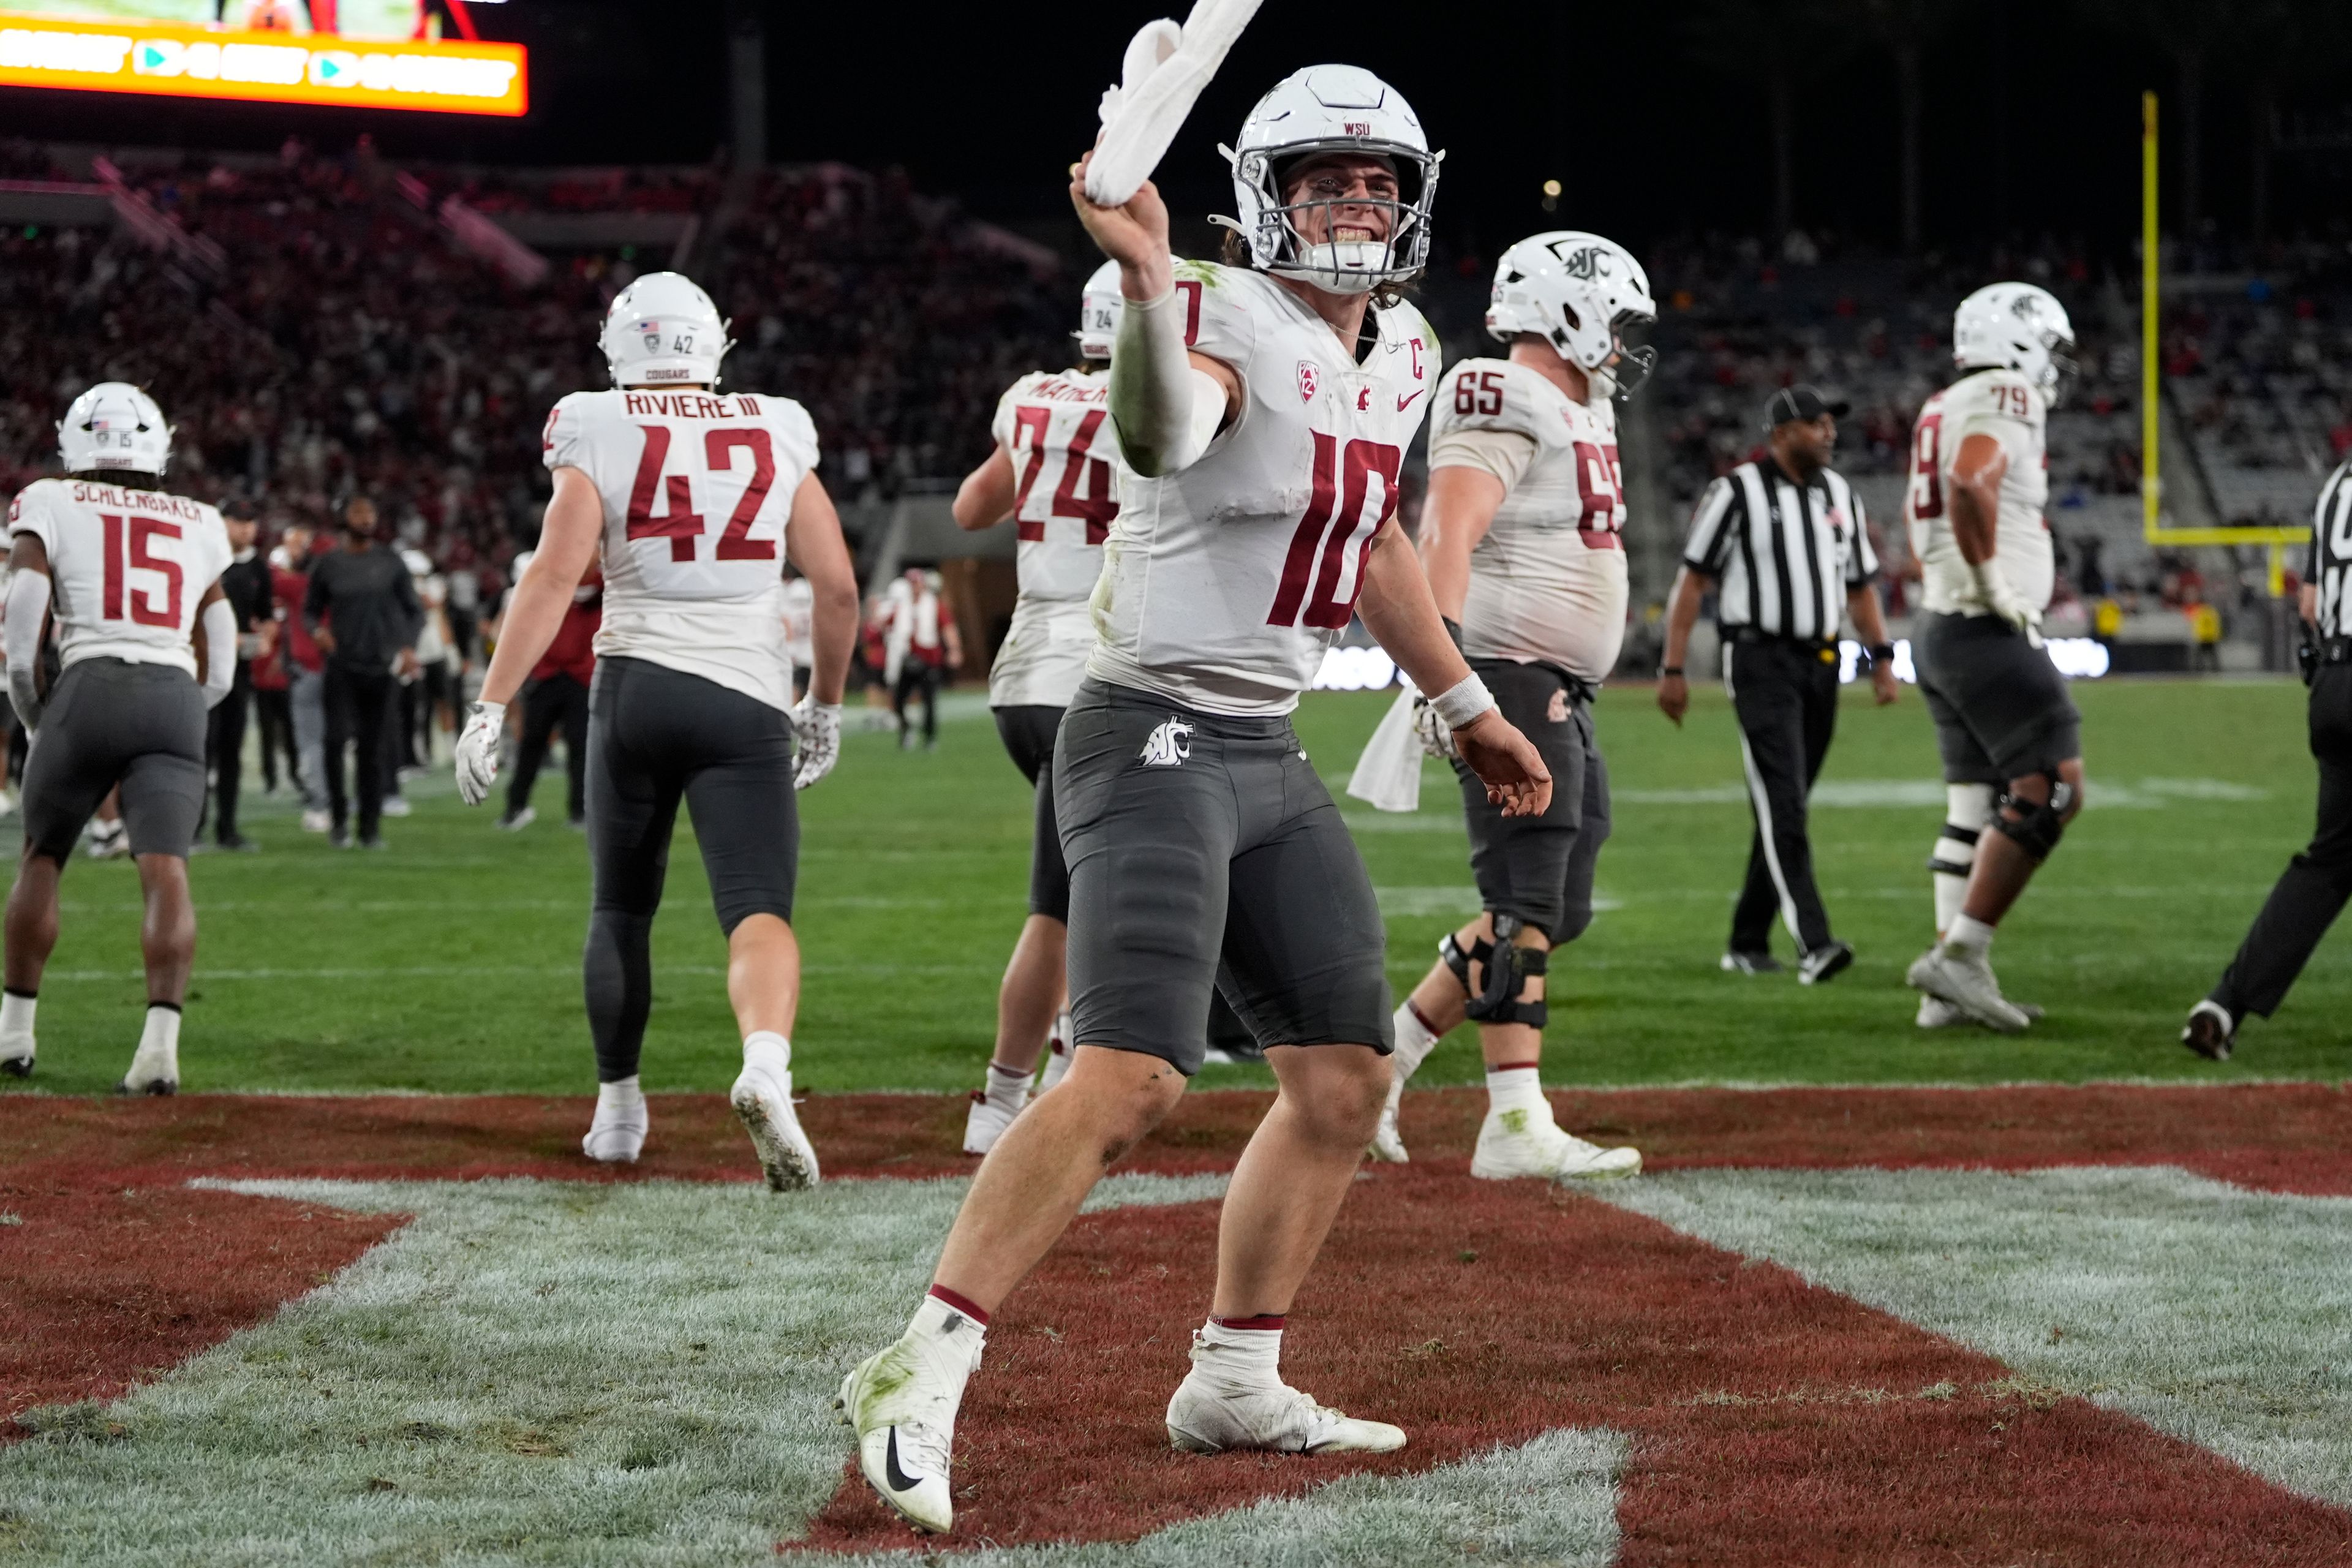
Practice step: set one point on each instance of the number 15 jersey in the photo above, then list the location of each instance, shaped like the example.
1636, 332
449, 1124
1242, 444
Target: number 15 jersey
696, 488
1222, 585
127, 567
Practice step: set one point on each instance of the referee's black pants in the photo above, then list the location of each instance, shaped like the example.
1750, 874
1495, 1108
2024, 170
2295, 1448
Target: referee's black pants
2314, 888
1785, 695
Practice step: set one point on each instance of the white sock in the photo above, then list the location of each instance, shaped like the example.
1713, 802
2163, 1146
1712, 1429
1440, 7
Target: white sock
1414, 1041
1237, 1361
622, 1098
1967, 936
1516, 1089
1967, 809
158, 1045
1007, 1090
947, 1325
769, 1051
17, 1022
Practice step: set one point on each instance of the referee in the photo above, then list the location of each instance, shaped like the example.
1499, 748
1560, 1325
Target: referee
2313, 889
1781, 539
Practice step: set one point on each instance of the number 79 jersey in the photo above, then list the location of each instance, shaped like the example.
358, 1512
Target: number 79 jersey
1224, 583
127, 567
2006, 406
697, 488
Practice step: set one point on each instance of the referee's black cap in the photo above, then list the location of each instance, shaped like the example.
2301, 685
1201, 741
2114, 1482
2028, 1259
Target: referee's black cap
1801, 402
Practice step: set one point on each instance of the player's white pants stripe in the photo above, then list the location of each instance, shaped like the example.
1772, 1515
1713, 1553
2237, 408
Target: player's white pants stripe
1763, 804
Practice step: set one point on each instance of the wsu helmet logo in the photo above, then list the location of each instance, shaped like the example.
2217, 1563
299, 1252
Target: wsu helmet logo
1169, 744
1586, 262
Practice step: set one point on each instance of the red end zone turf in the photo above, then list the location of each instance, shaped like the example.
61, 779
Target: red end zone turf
1748, 1395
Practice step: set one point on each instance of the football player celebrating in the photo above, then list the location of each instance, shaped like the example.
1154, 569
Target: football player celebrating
1263, 407
1978, 477
126, 570
693, 500
1051, 472
1520, 536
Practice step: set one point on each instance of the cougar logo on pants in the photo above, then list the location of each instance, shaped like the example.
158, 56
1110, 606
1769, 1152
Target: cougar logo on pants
1168, 746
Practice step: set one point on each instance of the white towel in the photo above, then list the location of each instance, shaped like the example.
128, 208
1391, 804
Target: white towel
1389, 773
1165, 70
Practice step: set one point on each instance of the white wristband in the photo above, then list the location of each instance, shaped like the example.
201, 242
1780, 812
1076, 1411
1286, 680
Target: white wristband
1462, 702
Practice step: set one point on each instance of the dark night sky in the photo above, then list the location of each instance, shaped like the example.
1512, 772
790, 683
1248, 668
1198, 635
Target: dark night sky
2031, 116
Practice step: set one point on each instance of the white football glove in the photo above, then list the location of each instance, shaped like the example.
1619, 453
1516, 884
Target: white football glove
2005, 601
818, 727
478, 752
1436, 735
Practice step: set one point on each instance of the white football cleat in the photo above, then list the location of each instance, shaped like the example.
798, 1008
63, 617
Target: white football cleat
763, 1099
1514, 1143
985, 1123
1935, 1013
902, 1402
107, 841
1059, 1052
617, 1134
152, 1071
1387, 1143
1203, 1419
1966, 982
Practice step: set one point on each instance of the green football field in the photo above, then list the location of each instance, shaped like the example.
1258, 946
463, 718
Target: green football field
450, 963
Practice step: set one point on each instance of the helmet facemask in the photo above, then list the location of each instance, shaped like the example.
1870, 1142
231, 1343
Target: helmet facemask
1278, 247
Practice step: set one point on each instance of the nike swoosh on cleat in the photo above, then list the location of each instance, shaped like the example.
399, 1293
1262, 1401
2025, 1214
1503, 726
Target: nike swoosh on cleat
900, 1481
1405, 403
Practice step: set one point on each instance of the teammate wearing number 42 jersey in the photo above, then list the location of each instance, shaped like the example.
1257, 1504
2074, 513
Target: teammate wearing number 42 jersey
2011, 738
1521, 536
1262, 410
125, 570
693, 500
1052, 474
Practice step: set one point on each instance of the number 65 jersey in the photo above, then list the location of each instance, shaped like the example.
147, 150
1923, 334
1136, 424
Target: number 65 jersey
127, 567
696, 488
2003, 405
1222, 585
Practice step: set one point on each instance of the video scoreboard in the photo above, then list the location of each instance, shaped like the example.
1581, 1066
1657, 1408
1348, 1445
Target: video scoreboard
356, 54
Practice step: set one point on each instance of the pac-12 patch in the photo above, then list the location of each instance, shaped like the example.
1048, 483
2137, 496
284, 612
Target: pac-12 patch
1309, 380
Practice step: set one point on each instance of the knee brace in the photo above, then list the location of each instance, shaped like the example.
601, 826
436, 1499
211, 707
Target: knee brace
1459, 961
1508, 966
2035, 826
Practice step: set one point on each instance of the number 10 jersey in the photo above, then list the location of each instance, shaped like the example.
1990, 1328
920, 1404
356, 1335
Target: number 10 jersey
1222, 585
696, 488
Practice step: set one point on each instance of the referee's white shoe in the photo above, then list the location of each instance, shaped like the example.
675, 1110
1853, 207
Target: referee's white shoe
1966, 982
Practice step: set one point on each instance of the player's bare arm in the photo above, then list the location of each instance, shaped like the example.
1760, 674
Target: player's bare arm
985, 498
1398, 611
1682, 614
813, 544
1977, 471
567, 542
27, 626
203, 642
1460, 508
1870, 620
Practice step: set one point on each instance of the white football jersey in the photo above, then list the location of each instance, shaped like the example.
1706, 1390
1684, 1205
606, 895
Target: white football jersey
1224, 585
127, 567
2003, 405
1055, 425
697, 489
1548, 582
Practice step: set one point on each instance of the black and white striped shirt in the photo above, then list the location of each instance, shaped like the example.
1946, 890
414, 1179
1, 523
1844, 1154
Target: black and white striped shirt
1784, 555
2329, 567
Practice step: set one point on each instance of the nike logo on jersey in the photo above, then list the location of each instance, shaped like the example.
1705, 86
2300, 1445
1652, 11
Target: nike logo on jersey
900, 1480
1405, 403
1169, 744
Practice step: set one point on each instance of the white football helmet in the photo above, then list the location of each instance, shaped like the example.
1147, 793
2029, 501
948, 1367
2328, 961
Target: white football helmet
1332, 108
2020, 327
663, 331
1099, 308
1579, 292
114, 425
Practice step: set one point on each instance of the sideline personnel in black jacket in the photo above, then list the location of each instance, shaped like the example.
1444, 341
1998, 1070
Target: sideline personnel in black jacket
363, 611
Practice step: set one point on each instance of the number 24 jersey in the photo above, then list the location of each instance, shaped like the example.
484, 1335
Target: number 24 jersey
1222, 585
127, 567
697, 488
1055, 426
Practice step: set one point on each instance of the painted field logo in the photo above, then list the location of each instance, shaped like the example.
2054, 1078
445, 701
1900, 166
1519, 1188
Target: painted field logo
1169, 744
